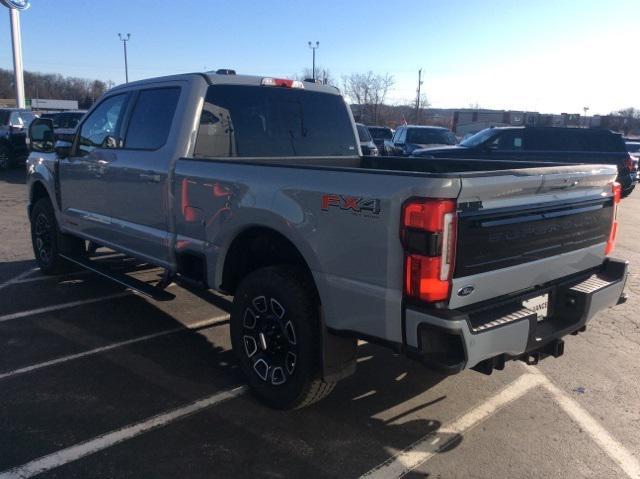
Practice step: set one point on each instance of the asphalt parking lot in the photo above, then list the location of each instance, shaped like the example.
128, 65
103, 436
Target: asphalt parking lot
97, 382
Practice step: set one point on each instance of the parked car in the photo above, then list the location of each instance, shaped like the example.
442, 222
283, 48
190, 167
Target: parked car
65, 120
379, 135
254, 187
408, 138
367, 145
14, 123
548, 144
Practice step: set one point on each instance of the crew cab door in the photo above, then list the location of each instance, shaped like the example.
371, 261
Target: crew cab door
138, 182
85, 197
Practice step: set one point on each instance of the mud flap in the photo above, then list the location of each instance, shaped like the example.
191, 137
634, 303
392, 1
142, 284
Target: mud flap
338, 356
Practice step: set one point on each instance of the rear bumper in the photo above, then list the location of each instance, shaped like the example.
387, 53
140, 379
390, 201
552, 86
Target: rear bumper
485, 336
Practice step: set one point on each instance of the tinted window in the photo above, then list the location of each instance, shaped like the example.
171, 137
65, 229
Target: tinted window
427, 136
551, 140
66, 120
151, 118
101, 128
509, 140
363, 133
4, 117
479, 138
380, 133
265, 121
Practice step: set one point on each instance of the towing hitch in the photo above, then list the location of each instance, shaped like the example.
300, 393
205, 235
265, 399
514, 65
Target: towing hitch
555, 348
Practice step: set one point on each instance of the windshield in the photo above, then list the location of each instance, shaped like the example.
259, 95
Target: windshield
380, 133
251, 121
430, 136
633, 147
363, 133
478, 138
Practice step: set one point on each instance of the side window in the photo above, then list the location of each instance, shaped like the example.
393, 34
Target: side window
151, 118
509, 140
101, 128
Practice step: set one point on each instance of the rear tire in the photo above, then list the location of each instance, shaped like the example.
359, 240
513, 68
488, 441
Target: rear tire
5, 158
275, 332
48, 242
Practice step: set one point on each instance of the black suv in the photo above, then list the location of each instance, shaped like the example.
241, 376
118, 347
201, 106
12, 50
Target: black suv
14, 124
408, 138
553, 144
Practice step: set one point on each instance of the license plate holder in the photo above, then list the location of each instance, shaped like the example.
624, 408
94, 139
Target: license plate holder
538, 304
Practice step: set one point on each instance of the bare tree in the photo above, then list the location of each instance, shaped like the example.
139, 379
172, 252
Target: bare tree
368, 91
322, 74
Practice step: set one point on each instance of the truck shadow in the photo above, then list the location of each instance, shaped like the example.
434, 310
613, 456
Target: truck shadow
385, 407
16, 175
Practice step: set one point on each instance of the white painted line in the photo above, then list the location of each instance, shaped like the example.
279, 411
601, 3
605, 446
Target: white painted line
56, 307
423, 449
73, 453
52, 277
611, 446
198, 325
18, 278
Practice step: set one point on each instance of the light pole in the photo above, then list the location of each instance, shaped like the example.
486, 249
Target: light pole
18, 74
314, 48
124, 39
586, 109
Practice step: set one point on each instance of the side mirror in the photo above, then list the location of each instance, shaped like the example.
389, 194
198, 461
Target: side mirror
63, 149
41, 137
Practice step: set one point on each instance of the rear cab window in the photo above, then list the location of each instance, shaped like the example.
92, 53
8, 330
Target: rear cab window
256, 121
151, 118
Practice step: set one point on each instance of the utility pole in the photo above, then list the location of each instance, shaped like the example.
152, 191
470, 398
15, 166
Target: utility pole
18, 74
124, 39
314, 48
418, 97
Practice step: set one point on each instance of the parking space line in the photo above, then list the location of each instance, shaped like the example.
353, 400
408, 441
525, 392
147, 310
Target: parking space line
611, 446
191, 327
78, 451
56, 307
425, 448
54, 277
14, 280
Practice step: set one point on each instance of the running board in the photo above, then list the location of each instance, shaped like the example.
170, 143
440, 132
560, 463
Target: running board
120, 278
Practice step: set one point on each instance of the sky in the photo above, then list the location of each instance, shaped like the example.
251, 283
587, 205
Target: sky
547, 55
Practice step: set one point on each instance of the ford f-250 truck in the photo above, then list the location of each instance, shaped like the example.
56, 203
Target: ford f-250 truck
256, 187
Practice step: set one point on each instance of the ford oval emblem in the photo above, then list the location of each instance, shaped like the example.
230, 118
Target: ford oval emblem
17, 4
466, 291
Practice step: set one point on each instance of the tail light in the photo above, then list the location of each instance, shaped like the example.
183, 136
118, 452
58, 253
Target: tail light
428, 235
282, 82
617, 195
630, 164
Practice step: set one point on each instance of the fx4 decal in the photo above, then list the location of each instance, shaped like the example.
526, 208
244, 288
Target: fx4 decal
351, 203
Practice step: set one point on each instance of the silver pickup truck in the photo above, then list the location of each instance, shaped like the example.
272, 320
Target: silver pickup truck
256, 187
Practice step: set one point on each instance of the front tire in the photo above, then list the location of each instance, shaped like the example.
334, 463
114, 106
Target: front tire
48, 242
275, 334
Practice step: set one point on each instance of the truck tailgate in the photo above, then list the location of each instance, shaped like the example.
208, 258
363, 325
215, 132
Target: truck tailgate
520, 229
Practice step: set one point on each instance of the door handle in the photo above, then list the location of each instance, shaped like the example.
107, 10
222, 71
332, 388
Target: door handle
150, 177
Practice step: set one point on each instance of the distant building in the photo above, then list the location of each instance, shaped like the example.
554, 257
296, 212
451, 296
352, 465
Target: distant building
53, 105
